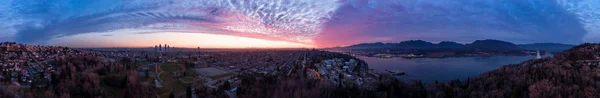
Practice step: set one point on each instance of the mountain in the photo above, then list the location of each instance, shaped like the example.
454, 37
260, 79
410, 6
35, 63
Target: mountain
410, 44
449, 44
377, 45
481, 45
573, 73
550, 47
491, 45
415, 44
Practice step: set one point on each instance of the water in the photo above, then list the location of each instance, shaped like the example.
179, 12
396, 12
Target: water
431, 69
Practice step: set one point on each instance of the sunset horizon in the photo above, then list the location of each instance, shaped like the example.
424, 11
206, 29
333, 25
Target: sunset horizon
300, 49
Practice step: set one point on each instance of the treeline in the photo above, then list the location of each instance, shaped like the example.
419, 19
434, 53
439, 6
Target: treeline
86, 76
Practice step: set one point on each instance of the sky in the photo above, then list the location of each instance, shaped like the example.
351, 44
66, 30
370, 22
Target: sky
294, 23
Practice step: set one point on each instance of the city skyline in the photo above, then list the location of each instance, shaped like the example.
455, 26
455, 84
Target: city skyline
299, 48
298, 23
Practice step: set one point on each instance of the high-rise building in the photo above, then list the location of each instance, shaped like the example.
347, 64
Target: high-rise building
156, 48
166, 48
159, 47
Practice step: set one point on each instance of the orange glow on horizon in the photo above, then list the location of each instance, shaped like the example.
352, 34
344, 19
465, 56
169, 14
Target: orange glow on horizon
176, 39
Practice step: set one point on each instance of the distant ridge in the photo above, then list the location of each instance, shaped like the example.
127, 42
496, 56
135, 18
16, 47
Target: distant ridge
491, 45
482, 45
550, 47
410, 44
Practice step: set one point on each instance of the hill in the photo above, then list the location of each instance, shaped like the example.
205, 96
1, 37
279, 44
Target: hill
488, 44
449, 44
377, 45
410, 44
424, 45
573, 73
491, 45
550, 47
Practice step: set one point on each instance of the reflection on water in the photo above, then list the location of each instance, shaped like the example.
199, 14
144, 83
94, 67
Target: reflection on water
431, 69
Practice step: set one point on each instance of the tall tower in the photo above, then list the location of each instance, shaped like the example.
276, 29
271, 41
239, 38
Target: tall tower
155, 48
159, 47
166, 48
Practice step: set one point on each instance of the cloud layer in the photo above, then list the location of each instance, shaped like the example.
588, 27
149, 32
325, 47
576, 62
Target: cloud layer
36, 21
324, 23
520, 21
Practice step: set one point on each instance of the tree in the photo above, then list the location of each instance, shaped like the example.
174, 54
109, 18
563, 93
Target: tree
147, 73
340, 77
188, 92
226, 85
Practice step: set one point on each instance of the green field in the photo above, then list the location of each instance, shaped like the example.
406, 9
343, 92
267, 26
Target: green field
214, 77
171, 67
188, 79
191, 73
171, 82
213, 73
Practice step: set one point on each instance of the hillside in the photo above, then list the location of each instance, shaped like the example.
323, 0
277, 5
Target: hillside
550, 47
483, 45
573, 73
377, 45
449, 44
491, 45
410, 44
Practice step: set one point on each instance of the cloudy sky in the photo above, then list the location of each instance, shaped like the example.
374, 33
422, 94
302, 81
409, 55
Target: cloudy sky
294, 23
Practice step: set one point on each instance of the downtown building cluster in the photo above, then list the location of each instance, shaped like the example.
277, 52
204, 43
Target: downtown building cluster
161, 48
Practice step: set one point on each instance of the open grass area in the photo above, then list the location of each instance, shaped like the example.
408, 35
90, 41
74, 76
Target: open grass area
214, 77
171, 67
172, 82
210, 71
213, 73
191, 73
188, 79
163, 90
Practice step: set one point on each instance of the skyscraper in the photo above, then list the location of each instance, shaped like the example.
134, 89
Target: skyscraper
159, 47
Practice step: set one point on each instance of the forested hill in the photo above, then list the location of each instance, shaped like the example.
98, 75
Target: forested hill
488, 44
573, 73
